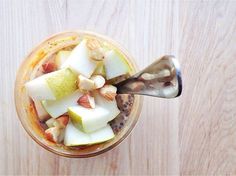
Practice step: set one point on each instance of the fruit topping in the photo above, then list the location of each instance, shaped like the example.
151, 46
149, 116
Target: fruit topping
96, 51
85, 83
108, 92
99, 81
86, 101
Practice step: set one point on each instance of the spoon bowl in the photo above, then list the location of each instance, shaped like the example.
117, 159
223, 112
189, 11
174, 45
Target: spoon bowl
160, 79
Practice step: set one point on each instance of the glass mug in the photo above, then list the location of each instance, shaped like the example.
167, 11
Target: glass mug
26, 111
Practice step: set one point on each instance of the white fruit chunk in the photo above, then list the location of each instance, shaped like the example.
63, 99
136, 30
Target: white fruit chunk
102, 135
61, 57
38, 89
111, 106
75, 137
52, 86
115, 64
87, 119
58, 107
99, 81
79, 60
42, 114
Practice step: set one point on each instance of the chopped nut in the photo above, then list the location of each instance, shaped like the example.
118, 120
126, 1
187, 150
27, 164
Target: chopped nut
86, 101
51, 122
49, 67
96, 51
99, 81
93, 44
63, 120
108, 92
85, 83
60, 122
53, 134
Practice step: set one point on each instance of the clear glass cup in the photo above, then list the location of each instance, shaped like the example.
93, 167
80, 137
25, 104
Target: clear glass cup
27, 114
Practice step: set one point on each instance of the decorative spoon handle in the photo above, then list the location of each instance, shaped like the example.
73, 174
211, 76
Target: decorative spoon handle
160, 79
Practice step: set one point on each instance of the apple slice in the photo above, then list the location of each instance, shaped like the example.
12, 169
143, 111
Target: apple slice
42, 114
88, 120
79, 60
58, 107
61, 57
75, 137
115, 64
52, 86
109, 105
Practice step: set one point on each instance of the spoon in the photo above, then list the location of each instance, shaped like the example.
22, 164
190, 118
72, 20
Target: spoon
160, 79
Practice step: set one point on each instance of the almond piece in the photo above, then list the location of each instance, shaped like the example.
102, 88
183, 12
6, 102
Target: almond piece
86, 101
51, 122
108, 92
93, 44
99, 81
96, 51
85, 83
60, 122
49, 67
63, 120
53, 134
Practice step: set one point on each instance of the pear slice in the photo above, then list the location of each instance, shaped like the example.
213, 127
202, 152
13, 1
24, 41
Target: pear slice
52, 86
109, 105
75, 137
100, 69
38, 89
79, 60
87, 119
61, 57
58, 107
115, 64
102, 135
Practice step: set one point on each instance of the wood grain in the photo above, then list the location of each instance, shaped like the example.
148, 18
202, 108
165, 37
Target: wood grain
192, 135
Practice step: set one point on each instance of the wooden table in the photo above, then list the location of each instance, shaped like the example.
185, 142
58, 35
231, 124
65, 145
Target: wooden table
191, 135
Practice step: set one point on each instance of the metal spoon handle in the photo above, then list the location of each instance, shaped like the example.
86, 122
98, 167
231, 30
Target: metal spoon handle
161, 79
